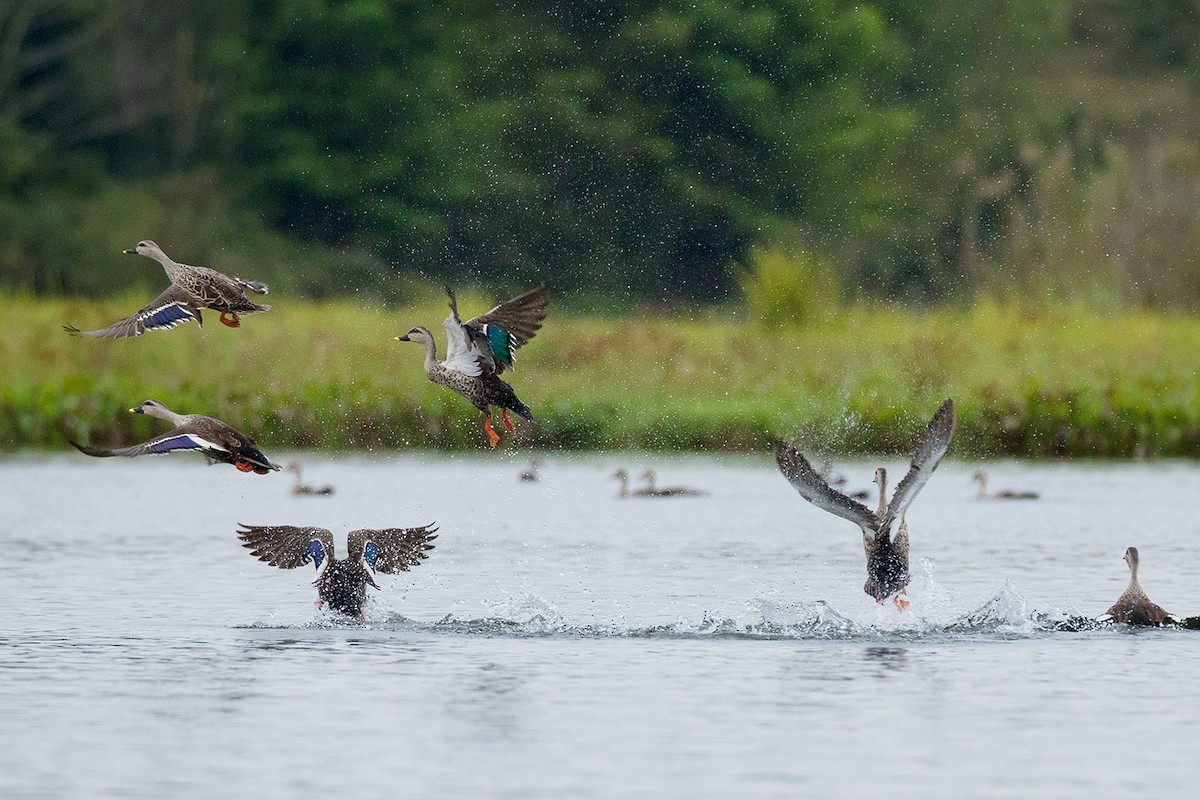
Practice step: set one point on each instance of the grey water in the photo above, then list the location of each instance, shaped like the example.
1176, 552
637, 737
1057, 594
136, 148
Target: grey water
563, 643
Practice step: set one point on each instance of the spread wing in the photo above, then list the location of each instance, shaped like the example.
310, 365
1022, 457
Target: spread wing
508, 326
172, 307
174, 439
933, 445
391, 550
813, 488
462, 355
287, 546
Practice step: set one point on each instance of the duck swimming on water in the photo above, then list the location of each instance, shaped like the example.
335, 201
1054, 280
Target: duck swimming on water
887, 554
981, 478
302, 488
1133, 607
654, 490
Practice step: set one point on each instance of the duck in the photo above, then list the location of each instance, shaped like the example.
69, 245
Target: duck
887, 554
217, 441
981, 478
192, 289
623, 476
341, 583
299, 487
479, 351
651, 479
530, 473
1133, 607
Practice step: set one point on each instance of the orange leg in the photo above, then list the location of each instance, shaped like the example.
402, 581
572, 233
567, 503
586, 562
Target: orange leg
508, 426
493, 437
230, 318
901, 600
320, 604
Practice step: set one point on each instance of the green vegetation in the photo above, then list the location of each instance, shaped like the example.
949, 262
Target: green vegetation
1027, 381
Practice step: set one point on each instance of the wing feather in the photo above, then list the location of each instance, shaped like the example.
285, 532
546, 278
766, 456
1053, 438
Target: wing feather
160, 445
930, 449
285, 546
391, 550
521, 317
172, 307
813, 488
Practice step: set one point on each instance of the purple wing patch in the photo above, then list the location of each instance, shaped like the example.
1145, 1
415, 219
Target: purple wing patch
183, 442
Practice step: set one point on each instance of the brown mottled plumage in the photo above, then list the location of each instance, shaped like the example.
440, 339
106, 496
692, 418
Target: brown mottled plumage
191, 289
1134, 607
479, 350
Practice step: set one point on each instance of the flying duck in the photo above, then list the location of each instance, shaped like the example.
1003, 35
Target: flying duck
478, 352
887, 555
217, 441
341, 583
191, 289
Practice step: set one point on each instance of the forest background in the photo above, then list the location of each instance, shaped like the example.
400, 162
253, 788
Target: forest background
758, 219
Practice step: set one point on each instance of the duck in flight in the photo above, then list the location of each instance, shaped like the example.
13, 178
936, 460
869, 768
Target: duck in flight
981, 478
887, 553
479, 351
341, 582
192, 289
217, 441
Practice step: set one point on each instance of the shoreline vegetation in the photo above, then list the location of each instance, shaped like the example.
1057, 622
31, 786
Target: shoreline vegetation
1038, 383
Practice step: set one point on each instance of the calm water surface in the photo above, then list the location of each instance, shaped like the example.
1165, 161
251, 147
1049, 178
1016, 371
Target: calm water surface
562, 643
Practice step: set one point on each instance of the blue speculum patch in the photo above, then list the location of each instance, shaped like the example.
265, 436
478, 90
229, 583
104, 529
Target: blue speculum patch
174, 443
500, 341
371, 553
317, 551
166, 316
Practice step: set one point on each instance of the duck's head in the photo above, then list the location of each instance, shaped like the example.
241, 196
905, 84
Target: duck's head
979, 476
418, 334
881, 478
143, 248
148, 407
620, 474
1131, 557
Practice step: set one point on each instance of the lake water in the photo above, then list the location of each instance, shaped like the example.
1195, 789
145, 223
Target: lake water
562, 643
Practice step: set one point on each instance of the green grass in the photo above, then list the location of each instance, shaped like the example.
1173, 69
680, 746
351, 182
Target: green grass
1028, 383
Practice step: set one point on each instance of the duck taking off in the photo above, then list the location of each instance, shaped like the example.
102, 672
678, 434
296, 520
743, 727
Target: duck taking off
342, 583
981, 478
478, 352
191, 289
887, 555
1134, 607
217, 441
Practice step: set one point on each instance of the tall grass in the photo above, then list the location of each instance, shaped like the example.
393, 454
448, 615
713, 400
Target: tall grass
1030, 382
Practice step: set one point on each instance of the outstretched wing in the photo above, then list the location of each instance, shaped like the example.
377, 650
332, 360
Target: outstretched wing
813, 488
933, 445
391, 550
287, 546
174, 439
508, 326
171, 308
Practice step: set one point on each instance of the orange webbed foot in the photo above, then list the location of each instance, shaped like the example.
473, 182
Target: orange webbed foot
244, 466
508, 426
901, 601
230, 319
493, 437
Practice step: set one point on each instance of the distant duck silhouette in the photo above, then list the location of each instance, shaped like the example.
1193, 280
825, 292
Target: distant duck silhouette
981, 478
530, 473
341, 582
651, 479
299, 487
1134, 607
623, 476
887, 555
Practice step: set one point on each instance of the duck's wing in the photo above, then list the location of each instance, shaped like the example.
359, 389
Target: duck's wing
391, 550
508, 326
287, 546
813, 488
181, 438
174, 306
237, 444
933, 445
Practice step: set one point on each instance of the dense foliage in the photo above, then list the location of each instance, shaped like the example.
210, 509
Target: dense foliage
629, 149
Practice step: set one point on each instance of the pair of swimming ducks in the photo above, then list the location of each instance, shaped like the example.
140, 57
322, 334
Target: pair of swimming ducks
885, 533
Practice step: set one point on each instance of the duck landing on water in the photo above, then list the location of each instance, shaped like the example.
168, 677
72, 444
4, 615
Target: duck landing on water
981, 478
887, 555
